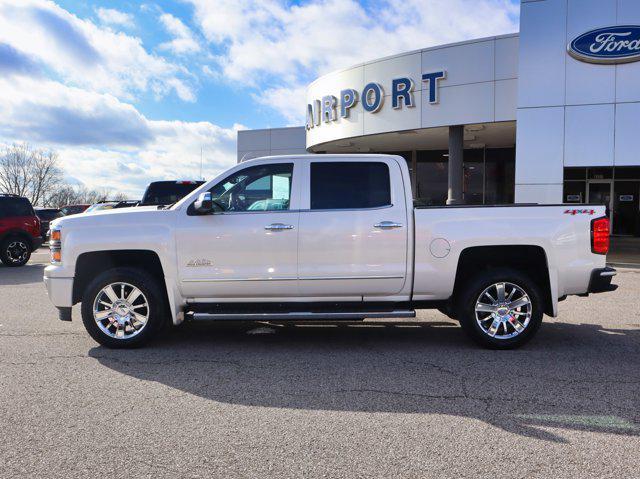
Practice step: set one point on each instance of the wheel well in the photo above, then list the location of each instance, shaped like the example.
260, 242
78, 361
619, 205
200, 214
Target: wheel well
529, 259
90, 265
18, 234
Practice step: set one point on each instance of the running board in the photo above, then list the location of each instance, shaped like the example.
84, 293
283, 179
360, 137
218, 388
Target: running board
304, 316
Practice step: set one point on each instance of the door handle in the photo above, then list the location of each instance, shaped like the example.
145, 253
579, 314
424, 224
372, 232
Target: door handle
387, 225
278, 227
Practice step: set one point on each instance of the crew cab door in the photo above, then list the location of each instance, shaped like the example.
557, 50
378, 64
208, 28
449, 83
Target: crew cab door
248, 249
353, 237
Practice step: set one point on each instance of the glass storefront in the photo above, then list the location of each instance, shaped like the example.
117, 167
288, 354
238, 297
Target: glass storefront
489, 176
617, 188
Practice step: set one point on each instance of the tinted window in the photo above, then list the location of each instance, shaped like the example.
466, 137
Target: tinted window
167, 192
343, 185
257, 188
15, 207
48, 215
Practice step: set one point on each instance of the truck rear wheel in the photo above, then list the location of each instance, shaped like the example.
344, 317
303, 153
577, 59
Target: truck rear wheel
123, 308
500, 309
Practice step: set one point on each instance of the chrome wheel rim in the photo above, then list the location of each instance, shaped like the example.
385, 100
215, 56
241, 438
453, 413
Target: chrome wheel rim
121, 310
503, 310
17, 251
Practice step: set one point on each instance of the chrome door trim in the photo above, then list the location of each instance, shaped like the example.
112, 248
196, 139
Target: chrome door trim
222, 280
348, 277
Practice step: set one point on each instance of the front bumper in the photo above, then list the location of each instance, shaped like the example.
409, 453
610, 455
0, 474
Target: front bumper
600, 281
59, 288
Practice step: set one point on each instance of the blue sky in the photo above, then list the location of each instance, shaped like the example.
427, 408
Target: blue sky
128, 92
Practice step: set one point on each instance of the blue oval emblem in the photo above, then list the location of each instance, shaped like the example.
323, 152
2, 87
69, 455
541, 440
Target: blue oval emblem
619, 44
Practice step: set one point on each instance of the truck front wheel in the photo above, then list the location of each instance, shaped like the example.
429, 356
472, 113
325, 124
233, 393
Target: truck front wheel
123, 308
500, 309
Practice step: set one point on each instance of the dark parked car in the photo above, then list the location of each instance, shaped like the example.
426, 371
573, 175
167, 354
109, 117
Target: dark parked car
19, 230
168, 192
110, 205
46, 215
73, 209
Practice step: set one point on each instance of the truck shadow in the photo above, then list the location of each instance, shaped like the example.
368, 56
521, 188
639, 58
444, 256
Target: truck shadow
570, 377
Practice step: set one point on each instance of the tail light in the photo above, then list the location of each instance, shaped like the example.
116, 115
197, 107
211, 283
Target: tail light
600, 235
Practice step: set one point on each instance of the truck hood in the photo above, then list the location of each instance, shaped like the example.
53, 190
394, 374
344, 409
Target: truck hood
117, 217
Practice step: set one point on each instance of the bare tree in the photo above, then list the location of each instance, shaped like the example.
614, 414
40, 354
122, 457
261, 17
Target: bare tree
31, 173
81, 195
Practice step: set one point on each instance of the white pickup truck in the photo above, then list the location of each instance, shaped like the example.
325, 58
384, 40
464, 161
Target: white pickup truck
323, 238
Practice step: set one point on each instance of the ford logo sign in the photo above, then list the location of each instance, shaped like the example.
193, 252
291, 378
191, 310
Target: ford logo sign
619, 44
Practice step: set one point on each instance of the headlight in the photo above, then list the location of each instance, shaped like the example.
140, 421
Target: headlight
55, 245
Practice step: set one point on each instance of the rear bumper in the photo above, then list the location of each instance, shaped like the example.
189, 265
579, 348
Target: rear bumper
600, 281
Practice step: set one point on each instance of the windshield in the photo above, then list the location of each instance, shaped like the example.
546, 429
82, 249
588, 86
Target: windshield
100, 206
167, 192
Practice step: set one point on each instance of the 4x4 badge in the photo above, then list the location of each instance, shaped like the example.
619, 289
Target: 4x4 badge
580, 212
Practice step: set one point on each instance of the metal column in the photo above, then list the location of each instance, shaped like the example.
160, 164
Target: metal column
456, 152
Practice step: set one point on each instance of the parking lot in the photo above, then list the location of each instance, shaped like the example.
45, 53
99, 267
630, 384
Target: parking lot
368, 400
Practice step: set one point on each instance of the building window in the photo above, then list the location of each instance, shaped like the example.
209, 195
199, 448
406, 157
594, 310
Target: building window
432, 177
618, 189
489, 176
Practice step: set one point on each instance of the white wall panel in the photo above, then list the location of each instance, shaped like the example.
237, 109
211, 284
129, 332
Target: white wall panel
628, 12
254, 139
540, 145
627, 152
288, 138
589, 135
459, 105
466, 63
628, 82
628, 75
587, 83
506, 99
506, 58
385, 71
341, 128
388, 119
541, 68
543, 194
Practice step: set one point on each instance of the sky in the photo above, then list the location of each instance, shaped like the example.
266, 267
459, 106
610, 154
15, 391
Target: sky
128, 92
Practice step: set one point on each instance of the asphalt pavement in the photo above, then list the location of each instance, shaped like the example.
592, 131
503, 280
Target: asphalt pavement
379, 400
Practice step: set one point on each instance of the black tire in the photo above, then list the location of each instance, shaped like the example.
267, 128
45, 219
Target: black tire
470, 294
15, 251
152, 292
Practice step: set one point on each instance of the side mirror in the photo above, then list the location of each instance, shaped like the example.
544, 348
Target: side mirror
204, 204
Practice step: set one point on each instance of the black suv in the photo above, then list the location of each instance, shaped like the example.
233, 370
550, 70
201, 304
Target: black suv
19, 230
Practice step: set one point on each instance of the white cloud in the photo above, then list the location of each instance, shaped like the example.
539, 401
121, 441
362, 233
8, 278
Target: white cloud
183, 38
105, 143
285, 47
111, 16
286, 99
86, 55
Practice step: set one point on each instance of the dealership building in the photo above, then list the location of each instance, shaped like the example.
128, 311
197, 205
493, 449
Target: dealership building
548, 115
